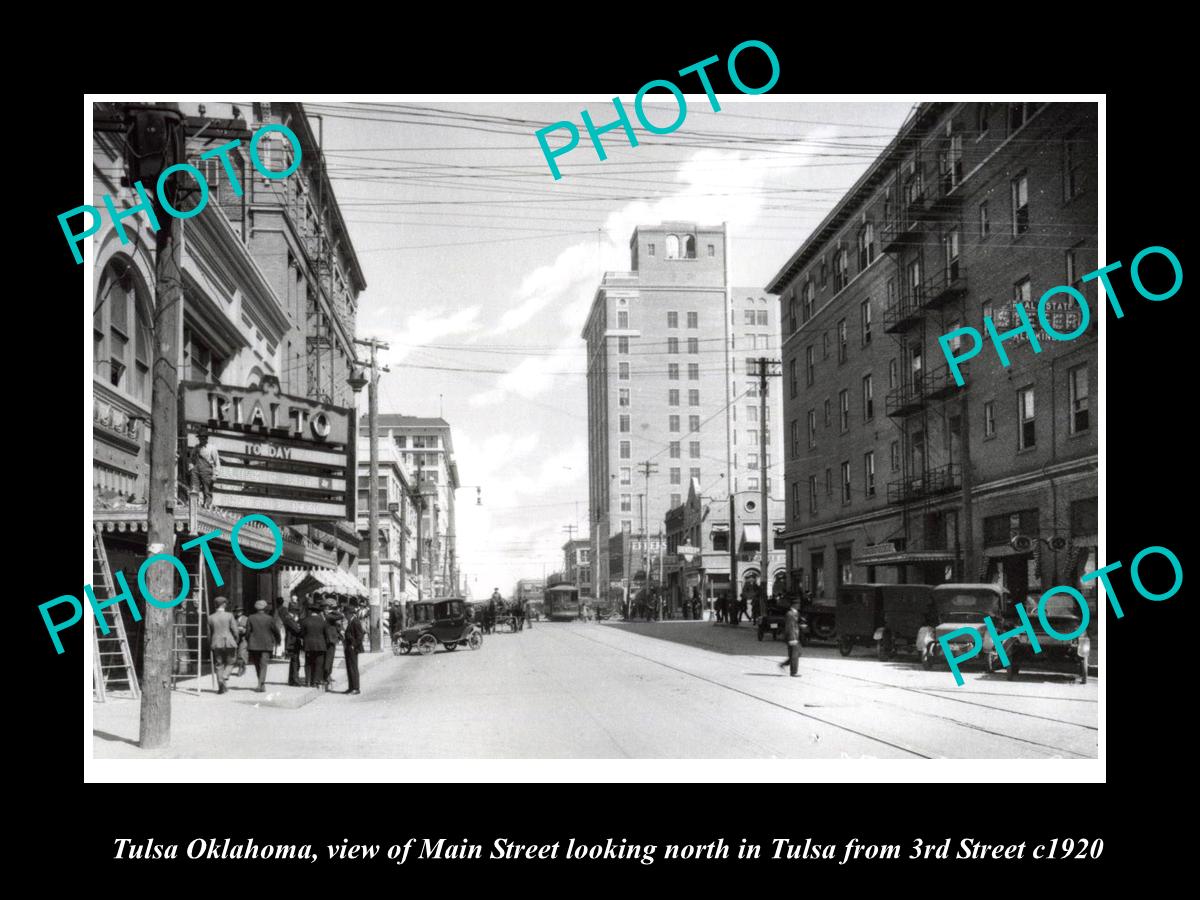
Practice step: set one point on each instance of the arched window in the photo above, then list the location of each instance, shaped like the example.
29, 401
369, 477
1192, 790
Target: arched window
672, 247
689, 247
121, 330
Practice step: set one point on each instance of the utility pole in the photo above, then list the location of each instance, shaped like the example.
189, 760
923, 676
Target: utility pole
373, 493
766, 369
647, 469
155, 141
570, 530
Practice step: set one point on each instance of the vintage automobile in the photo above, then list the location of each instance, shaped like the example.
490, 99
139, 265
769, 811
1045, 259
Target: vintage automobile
906, 609
442, 622
859, 615
772, 622
1064, 617
957, 606
818, 619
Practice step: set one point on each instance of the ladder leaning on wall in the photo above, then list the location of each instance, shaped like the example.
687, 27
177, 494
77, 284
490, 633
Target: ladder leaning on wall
191, 623
112, 663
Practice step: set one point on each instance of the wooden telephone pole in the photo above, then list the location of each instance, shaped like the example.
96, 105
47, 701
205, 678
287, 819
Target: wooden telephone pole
376, 611
766, 369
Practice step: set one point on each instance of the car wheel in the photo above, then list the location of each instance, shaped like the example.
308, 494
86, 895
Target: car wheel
926, 660
405, 647
475, 641
451, 646
846, 646
427, 644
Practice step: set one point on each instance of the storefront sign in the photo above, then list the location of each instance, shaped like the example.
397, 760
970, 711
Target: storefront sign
291, 457
886, 548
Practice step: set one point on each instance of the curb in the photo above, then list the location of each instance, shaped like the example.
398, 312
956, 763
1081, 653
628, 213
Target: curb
284, 696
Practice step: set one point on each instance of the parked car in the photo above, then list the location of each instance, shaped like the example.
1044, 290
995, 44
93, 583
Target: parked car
442, 622
859, 615
958, 606
906, 609
772, 622
1064, 617
818, 619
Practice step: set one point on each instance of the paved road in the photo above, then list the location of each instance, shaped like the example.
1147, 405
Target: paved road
655, 690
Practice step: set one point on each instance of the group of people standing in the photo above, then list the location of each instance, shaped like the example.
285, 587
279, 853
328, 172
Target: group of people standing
238, 640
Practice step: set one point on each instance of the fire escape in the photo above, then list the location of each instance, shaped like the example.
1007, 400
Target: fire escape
922, 232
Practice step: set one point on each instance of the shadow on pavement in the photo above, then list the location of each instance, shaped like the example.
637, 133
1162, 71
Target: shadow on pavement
105, 736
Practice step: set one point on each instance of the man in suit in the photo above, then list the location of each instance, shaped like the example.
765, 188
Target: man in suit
333, 636
292, 643
312, 638
791, 634
223, 639
352, 645
262, 637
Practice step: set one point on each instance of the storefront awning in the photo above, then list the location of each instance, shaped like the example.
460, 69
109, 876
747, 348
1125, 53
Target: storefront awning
332, 580
906, 558
719, 528
752, 533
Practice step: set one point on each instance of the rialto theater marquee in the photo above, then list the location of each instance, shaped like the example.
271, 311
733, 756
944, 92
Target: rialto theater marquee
290, 457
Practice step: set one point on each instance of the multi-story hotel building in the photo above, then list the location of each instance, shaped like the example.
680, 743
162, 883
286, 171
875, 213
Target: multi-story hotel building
663, 384
894, 473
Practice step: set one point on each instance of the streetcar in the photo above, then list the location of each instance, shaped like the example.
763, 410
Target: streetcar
561, 602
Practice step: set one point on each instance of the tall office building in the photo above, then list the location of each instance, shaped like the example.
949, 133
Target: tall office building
662, 383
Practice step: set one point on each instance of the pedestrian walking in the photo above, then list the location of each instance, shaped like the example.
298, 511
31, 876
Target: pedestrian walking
223, 639
292, 645
262, 637
333, 636
243, 652
352, 645
791, 634
312, 639
527, 613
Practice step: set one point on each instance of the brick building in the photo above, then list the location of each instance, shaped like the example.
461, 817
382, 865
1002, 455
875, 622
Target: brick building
893, 472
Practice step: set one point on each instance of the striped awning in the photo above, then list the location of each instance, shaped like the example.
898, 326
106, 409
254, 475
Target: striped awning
907, 558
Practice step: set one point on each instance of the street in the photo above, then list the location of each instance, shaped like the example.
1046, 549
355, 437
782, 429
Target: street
630, 690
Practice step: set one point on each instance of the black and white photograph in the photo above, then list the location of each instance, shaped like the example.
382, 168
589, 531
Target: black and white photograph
662, 429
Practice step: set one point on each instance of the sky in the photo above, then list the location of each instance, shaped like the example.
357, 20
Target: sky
481, 267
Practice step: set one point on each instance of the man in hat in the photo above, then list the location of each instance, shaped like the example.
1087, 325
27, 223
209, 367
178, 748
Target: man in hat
791, 634
312, 639
223, 639
333, 635
242, 657
261, 639
292, 643
204, 466
352, 645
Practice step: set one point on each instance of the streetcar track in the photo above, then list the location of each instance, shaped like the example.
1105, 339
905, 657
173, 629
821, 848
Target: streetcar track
958, 722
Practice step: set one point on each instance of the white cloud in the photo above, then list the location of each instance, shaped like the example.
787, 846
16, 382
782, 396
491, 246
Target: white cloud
424, 326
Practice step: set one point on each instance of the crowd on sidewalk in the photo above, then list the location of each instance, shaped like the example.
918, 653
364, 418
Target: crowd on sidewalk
309, 640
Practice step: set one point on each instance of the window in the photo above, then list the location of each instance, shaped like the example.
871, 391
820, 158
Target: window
950, 164
794, 432
791, 312
844, 410
672, 247
672, 320
673, 397
810, 295
693, 398
1073, 165
1018, 114
623, 424
845, 482
623, 371
812, 493
751, 413
809, 366
869, 473
1027, 436
676, 500
828, 482
985, 224
623, 318
627, 503
866, 245
1077, 385
893, 374
1020, 204
751, 436
693, 371
828, 408
1023, 292
951, 245
712, 250
1072, 265
824, 272
793, 384
624, 450
675, 475
989, 418
674, 449
825, 345
672, 345
622, 396
673, 371
121, 334
842, 343
868, 398
761, 316
693, 345
673, 423
981, 120
864, 316
650, 247
795, 500
689, 247
895, 456
693, 449
812, 428
694, 473
751, 460
693, 320
693, 423
626, 475
622, 345
626, 526
841, 273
